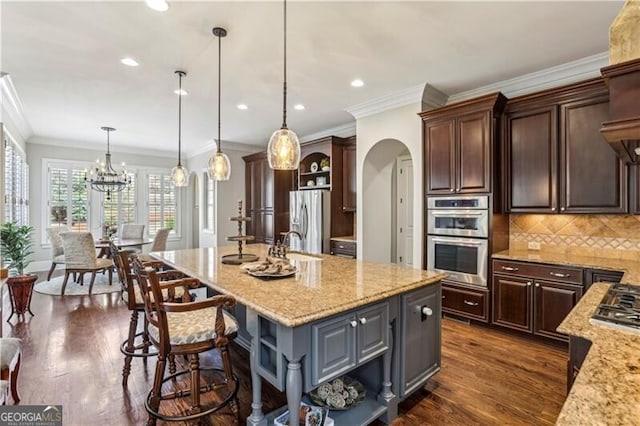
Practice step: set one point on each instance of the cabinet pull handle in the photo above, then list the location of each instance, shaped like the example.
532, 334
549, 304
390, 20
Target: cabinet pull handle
466, 302
363, 320
528, 283
508, 268
427, 311
537, 284
559, 275
354, 324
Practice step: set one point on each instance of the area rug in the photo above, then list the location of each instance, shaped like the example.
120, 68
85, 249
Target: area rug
100, 286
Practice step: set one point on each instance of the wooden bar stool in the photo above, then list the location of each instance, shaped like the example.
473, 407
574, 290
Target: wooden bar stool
187, 329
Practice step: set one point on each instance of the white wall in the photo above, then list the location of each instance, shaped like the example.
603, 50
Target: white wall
51, 149
228, 194
400, 124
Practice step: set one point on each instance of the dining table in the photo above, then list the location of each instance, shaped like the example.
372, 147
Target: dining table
121, 243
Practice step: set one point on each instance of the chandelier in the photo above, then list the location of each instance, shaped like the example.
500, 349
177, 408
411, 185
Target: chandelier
104, 178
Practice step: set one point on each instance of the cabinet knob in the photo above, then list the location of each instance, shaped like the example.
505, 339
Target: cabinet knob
553, 209
363, 320
561, 209
354, 324
427, 311
457, 189
528, 283
537, 284
453, 190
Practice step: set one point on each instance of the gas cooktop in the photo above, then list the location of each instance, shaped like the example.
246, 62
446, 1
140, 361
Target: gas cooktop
619, 308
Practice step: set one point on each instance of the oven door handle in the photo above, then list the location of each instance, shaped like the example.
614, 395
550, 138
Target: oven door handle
457, 214
459, 242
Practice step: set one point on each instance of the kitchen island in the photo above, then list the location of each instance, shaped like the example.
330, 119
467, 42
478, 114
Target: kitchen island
378, 322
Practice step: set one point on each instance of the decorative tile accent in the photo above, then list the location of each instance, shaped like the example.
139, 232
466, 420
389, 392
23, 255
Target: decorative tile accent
588, 234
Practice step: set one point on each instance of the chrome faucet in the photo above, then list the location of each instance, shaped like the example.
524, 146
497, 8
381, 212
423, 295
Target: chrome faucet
287, 239
279, 249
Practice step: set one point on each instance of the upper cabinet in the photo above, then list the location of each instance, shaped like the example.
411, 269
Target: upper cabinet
555, 159
459, 143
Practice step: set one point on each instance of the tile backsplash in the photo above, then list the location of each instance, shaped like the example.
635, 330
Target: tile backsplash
612, 236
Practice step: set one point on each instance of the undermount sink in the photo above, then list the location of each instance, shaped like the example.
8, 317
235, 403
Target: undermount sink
303, 257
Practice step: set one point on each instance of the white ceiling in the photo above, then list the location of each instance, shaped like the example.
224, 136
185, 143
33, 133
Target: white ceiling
63, 58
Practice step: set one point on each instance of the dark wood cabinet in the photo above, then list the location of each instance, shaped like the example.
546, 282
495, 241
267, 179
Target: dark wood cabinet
349, 187
534, 297
578, 349
600, 275
267, 198
343, 248
553, 152
512, 302
469, 302
459, 143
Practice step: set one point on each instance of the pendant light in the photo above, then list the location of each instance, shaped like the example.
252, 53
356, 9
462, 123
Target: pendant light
283, 151
219, 164
179, 173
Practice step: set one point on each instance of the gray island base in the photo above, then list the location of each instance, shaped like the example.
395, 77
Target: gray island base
377, 323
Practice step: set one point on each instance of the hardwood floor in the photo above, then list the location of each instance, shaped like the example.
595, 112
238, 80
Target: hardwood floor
71, 357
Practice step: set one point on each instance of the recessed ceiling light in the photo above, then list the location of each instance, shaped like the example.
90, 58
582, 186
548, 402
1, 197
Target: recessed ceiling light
159, 5
357, 83
242, 106
181, 92
298, 107
130, 62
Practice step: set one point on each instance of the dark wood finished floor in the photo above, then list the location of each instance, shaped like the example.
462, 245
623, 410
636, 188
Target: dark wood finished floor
72, 357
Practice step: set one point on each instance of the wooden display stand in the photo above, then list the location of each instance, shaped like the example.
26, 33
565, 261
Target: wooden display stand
20, 292
237, 259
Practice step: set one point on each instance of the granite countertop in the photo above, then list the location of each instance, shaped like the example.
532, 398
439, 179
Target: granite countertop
347, 239
607, 389
319, 289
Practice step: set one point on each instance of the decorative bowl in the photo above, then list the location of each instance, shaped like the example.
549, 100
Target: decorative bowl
339, 394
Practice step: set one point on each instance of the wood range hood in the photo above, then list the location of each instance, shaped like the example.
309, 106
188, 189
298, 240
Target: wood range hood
623, 130
622, 77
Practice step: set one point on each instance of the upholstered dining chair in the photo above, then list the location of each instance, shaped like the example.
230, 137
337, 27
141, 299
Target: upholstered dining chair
80, 256
132, 297
132, 231
57, 251
159, 243
187, 329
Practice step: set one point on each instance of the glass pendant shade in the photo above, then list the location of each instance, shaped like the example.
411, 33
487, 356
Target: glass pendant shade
283, 151
219, 166
180, 175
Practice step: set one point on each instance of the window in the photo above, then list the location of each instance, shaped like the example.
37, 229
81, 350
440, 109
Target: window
161, 203
68, 196
16, 183
122, 206
210, 196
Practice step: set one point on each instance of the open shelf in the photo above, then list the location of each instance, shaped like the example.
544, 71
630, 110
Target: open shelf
315, 187
319, 172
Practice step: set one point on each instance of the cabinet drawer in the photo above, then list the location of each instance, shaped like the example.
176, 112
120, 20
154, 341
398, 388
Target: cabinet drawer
465, 301
534, 270
344, 248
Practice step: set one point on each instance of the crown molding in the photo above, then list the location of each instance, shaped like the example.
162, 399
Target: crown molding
398, 99
12, 105
210, 146
559, 75
38, 140
342, 131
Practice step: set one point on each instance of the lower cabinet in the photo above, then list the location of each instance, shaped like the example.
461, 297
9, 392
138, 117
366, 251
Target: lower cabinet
532, 303
599, 275
470, 302
345, 341
578, 349
343, 248
420, 337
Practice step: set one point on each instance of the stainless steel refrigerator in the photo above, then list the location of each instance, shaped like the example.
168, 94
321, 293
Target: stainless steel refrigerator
310, 215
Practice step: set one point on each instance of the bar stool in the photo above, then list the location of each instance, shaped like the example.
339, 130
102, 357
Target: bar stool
187, 329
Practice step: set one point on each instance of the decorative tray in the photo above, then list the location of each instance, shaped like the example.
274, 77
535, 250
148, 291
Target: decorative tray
339, 394
267, 275
270, 268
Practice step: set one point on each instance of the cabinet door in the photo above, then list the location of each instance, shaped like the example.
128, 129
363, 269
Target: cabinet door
552, 303
474, 153
373, 332
420, 337
585, 158
440, 157
531, 160
512, 302
267, 186
333, 347
349, 178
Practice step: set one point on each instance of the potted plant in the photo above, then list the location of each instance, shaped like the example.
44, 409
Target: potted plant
324, 164
15, 248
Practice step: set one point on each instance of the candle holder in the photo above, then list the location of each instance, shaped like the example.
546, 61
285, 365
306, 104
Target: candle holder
239, 258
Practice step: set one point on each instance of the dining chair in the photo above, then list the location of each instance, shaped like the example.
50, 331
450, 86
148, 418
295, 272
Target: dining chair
57, 250
132, 297
187, 329
80, 256
132, 231
159, 243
